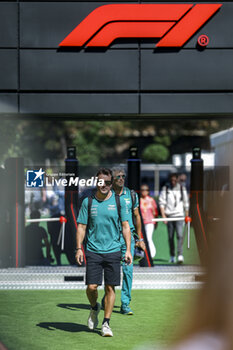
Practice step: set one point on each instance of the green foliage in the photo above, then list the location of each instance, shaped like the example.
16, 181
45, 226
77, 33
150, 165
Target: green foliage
101, 142
8, 140
155, 153
164, 140
88, 153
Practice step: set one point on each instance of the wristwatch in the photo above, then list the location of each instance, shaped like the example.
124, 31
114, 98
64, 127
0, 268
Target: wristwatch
76, 249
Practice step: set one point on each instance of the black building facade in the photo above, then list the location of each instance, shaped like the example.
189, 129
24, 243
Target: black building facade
127, 78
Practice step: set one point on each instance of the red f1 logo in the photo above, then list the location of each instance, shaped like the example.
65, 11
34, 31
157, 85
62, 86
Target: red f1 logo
173, 23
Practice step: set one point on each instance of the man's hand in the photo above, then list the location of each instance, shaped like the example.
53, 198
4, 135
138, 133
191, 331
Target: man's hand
79, 256
128, 258
141, 245
165, 222
163, 214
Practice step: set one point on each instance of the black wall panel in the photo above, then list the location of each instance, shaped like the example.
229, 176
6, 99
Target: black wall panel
9, 70
52, 70
45, 25
8, 25
183, 103
187, 70
8, 103
79, 103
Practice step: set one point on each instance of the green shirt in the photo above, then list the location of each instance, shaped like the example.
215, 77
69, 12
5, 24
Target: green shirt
125, 199
104, 232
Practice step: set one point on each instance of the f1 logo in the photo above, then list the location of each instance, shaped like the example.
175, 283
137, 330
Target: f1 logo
173, 23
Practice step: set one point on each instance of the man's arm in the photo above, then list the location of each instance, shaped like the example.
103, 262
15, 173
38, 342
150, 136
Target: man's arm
162, 203
80, 235
127, 237
185, 201
139, 243
163, 213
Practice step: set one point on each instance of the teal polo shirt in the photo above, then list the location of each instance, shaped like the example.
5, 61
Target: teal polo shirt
126, 200
104, 232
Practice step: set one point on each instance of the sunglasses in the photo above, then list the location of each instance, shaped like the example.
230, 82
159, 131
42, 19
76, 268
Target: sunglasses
144, 189
119, 176
107, 183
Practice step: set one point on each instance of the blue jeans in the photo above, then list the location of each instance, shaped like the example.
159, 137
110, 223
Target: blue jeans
127, 273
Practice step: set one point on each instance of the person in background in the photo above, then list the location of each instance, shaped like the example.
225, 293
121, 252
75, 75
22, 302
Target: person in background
149, 211
174, 203
134, 219
183, 181
36, 237
54, 228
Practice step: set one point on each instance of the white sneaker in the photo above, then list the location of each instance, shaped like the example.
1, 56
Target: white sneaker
92, 321
106, 330
180, 259
172, 259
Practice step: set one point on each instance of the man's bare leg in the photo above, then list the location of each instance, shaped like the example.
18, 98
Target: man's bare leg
109, 300
109, 304
92, 294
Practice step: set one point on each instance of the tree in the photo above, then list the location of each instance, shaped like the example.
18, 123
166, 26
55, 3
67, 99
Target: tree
155, 153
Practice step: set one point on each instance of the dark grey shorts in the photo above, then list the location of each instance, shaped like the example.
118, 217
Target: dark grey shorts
109, 263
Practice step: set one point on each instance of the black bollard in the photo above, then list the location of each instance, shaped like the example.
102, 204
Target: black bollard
71, 203
134, 182
196, 203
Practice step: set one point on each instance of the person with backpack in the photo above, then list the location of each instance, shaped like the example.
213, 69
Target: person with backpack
98, 220
130, 198
174, 203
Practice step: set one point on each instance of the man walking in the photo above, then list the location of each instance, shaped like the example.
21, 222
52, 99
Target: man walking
173, 202
132, 206
103, 246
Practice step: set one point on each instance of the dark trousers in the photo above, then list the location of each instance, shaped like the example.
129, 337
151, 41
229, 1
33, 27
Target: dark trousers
172, 227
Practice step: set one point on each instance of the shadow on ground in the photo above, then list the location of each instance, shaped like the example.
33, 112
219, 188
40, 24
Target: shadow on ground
65, 326
75, 307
